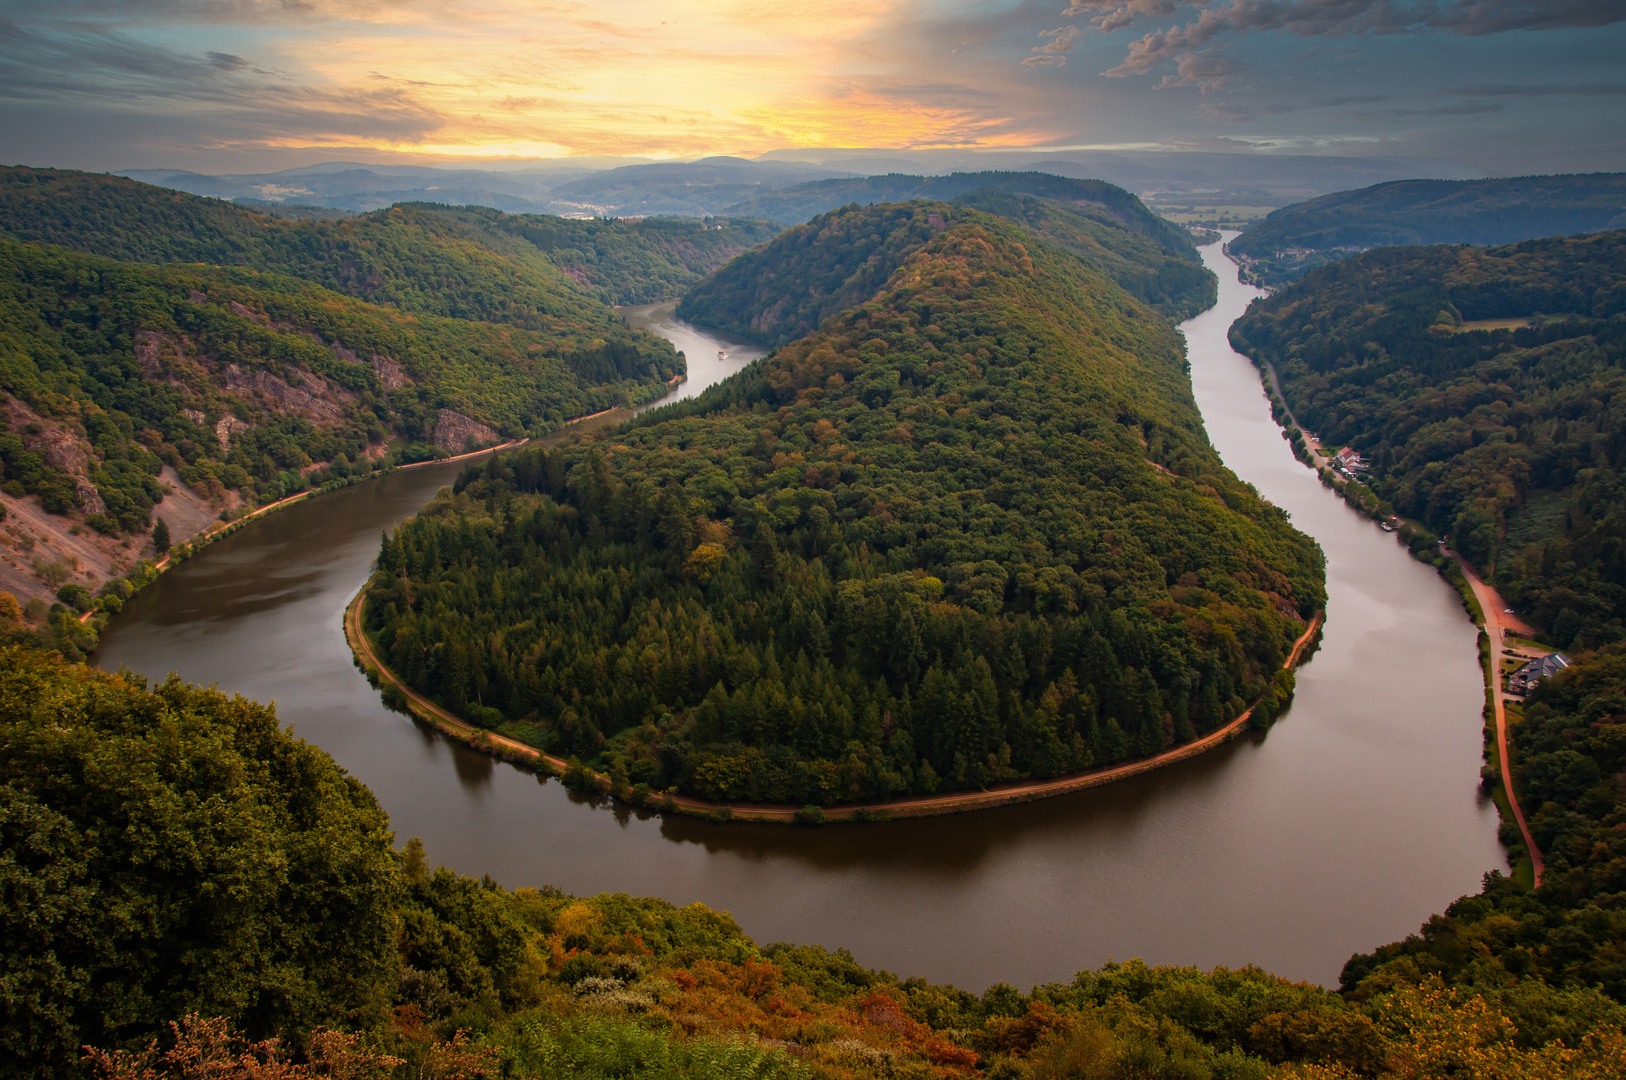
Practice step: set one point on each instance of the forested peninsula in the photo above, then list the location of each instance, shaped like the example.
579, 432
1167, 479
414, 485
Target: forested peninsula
968, 531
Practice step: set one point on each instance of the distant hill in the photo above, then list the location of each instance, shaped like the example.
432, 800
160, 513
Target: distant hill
803, 202
1158, 267
1502, 211
469, 263
1107, 227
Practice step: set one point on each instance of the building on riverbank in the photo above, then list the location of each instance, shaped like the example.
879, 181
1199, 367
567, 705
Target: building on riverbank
1526, 677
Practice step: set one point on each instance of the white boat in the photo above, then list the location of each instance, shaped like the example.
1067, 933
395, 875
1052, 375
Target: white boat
722, 354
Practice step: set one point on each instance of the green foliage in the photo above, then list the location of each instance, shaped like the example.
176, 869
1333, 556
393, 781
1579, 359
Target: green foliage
173, 850
841, 258
1166, 275
134, 355
1298, 238
530, 271
1511, 442
968, 532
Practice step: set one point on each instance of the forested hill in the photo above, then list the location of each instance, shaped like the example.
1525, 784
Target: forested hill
1105, 201
781, 292
969, 531
1165, 273
1509, 438
470, 263
251, 387
1410, 212
170, 855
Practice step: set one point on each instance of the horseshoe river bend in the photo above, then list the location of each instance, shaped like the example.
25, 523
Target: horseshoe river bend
1349, 823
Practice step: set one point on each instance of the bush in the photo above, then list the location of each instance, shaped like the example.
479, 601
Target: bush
810, 815
75, 596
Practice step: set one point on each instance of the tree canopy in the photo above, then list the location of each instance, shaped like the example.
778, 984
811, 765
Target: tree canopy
145, 363
1509, 439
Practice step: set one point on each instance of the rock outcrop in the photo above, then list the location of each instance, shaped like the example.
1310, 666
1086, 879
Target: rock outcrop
459, 433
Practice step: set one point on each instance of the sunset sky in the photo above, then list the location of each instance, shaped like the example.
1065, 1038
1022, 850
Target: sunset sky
238, 85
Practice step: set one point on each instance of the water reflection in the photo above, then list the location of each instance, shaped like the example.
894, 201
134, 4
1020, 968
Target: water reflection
1357, 817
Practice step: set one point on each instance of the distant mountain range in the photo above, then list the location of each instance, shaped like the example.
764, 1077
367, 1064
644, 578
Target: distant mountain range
1299, 238
720, 185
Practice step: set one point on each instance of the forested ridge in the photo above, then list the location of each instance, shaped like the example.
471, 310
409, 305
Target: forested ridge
1510, 441
1501, 210
969, 531
170, 854
143, 364
530, 270
840, 264
1107, 202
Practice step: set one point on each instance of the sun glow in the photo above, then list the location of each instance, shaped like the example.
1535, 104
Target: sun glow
502, 78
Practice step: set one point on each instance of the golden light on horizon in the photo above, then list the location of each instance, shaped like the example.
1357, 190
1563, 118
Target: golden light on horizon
505, 78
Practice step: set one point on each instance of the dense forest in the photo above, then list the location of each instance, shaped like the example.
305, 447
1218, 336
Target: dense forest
1511, 439
169, 855
243, 381
1162, 271
969, 531
1298, 238
533, 271
844, 258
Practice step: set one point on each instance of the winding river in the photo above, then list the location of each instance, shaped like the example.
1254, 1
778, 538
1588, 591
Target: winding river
1345, 826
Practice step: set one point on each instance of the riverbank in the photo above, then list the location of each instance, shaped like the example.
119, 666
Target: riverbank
1483, 606
516, 752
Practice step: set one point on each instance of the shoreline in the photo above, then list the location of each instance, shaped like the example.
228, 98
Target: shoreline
219, 530
1479, 602
518, 753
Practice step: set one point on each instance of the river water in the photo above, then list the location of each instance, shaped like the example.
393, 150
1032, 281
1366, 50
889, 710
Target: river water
1344, 827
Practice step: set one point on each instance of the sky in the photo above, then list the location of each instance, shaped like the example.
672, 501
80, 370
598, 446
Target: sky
1508, 86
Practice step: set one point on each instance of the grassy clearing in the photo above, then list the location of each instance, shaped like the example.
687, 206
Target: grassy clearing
1199, 213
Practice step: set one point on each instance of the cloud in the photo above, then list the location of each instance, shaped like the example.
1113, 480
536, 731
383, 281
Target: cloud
1051, 52
1184, 44
1540, 90
1210, 71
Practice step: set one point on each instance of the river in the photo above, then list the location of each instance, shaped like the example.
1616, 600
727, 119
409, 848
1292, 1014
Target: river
1347, 825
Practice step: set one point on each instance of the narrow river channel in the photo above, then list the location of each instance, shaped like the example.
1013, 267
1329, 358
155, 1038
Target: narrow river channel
1356, 817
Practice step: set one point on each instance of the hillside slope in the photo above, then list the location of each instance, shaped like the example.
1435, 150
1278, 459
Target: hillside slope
779, 293
1509, 438
968, 531
247, 387
1499, 211
533, 271
803, 202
